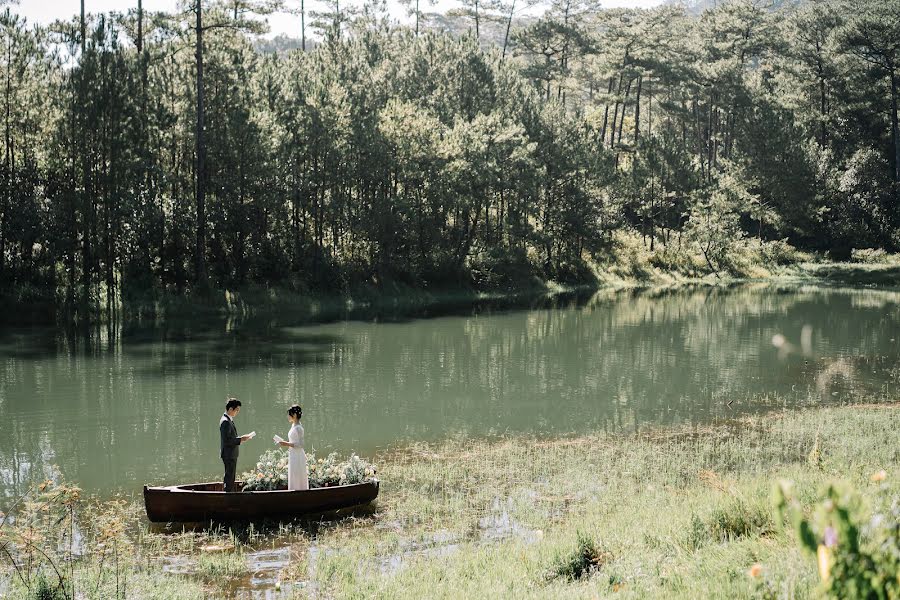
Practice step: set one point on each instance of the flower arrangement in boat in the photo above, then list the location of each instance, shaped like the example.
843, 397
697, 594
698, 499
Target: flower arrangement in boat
272, 469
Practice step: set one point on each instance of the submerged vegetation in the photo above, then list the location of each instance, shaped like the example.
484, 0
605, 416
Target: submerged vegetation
682, 512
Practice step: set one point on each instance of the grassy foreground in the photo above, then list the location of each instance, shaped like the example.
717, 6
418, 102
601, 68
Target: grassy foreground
668, 513
673, 513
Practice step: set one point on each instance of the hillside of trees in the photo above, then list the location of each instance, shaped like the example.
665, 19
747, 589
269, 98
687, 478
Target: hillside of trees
155, 153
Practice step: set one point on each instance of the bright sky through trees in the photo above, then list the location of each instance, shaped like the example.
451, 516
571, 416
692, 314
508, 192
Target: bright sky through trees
45, 11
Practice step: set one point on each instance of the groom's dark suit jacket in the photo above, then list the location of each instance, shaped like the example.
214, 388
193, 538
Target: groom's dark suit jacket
231, 443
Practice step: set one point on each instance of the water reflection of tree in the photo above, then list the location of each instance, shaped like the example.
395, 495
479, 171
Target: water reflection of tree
145, 409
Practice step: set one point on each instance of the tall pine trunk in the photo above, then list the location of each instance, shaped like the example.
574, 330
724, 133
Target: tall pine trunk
895, 130
512, 10
200, 248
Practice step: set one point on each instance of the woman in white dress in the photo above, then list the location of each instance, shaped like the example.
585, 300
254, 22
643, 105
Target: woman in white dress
298, 475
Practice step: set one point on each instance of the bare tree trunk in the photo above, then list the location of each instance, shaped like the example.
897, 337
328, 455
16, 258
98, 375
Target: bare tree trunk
73, 219
606, 112
87, 207
512, 10
200, 248
637, 110
615, 119
624, 107
7, 161
477, 22
698, 138
83, 29
140, 27
652, 164
895, 130
823, 107
711, 129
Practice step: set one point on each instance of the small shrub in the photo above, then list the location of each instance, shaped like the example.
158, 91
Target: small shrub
780, 252
868, 255
698, 533
44, 589
499, 268
858, 555
32, 549
673, 259
585, 559
736, 519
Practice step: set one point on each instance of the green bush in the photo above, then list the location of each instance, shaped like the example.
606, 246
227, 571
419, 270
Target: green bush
500, 268
44, 589
735, 519
873, 256
858, 554
780, 252
581, 561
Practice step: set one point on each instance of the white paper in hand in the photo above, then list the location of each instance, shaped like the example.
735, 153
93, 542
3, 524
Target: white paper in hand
277, 439
251, 435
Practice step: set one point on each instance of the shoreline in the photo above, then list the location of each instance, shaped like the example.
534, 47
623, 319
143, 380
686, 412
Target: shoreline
394, 300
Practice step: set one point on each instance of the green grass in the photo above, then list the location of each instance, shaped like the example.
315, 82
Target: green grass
581, 561
629, 261
669, 514
679, 512
881, 274
137, 584
216, 564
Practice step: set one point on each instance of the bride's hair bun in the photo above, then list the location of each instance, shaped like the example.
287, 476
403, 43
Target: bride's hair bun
295, 410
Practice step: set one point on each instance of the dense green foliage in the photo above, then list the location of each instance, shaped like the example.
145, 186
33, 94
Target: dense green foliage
167, 153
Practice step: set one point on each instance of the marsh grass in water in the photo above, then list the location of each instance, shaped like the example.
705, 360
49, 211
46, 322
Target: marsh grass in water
215, 565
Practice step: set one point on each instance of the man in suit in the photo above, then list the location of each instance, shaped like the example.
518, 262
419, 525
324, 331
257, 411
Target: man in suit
230, 441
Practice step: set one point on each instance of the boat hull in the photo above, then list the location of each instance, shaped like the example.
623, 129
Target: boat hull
208, 502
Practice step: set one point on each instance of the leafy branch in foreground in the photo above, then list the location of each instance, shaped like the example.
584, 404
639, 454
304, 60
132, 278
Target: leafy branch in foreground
858, 553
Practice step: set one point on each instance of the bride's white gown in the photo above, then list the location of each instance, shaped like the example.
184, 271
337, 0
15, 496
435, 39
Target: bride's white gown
298, 476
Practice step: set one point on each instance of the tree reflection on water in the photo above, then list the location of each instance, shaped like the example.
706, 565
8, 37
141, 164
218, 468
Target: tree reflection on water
139, 403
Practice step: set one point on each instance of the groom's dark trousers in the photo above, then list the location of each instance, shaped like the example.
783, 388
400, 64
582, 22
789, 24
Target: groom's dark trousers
230, 450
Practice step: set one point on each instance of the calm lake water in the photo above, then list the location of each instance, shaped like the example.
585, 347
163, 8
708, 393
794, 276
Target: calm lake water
143, 406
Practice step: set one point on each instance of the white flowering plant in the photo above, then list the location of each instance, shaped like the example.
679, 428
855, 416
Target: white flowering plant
272, 470
270, 473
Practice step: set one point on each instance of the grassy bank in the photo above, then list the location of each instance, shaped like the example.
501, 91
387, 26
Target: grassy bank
683, 512
629, 261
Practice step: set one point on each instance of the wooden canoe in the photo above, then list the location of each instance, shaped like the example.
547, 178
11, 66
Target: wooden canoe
197, 502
